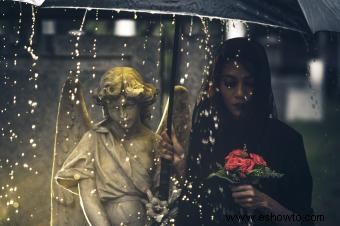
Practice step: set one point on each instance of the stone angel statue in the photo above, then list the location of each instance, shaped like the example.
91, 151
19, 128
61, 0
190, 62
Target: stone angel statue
108, 173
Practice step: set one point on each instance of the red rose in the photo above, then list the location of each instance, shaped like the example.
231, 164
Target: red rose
240, 160
234, 162
237, 153
239, 164
245, 165
248, 166
258, 159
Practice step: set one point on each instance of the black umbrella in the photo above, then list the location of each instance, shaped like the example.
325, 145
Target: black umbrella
301, 15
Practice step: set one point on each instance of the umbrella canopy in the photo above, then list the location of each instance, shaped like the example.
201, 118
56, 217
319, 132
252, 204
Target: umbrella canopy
301, 15
322, 15
281, 13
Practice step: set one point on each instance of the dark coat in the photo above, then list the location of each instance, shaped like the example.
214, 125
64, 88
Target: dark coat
282, 148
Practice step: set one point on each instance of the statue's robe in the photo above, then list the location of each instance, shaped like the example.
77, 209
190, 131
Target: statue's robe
120, 177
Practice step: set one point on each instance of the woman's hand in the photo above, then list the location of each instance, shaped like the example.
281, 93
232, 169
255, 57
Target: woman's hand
249, 197
172, 150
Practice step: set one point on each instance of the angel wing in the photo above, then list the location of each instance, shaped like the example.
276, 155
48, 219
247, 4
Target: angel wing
181, 116
72, 122
182, 127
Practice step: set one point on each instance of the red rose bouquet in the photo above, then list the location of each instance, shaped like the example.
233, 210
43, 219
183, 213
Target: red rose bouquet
241, 166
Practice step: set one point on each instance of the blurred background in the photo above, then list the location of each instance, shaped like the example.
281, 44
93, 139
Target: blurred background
41, 47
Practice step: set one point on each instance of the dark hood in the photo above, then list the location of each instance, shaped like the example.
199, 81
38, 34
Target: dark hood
210, 110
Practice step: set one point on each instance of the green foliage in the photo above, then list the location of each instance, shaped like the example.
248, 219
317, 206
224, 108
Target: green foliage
234, 176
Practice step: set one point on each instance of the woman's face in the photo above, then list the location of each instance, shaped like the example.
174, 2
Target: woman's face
123, 111
236, 87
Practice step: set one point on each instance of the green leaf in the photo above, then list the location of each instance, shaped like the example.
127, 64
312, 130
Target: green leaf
222, 174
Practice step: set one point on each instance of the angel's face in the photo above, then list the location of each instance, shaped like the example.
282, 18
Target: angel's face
123, 111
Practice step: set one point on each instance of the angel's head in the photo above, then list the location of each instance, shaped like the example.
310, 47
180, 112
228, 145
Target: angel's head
124, 95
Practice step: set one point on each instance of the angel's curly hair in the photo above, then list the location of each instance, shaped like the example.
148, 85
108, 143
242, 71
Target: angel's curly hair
128, 82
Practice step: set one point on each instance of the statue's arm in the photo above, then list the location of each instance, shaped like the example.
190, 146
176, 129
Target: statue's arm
93, 209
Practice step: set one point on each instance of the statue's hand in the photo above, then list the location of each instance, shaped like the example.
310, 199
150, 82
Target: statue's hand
156, 208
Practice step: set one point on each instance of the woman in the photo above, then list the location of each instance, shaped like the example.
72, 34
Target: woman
115, 165
236, 109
